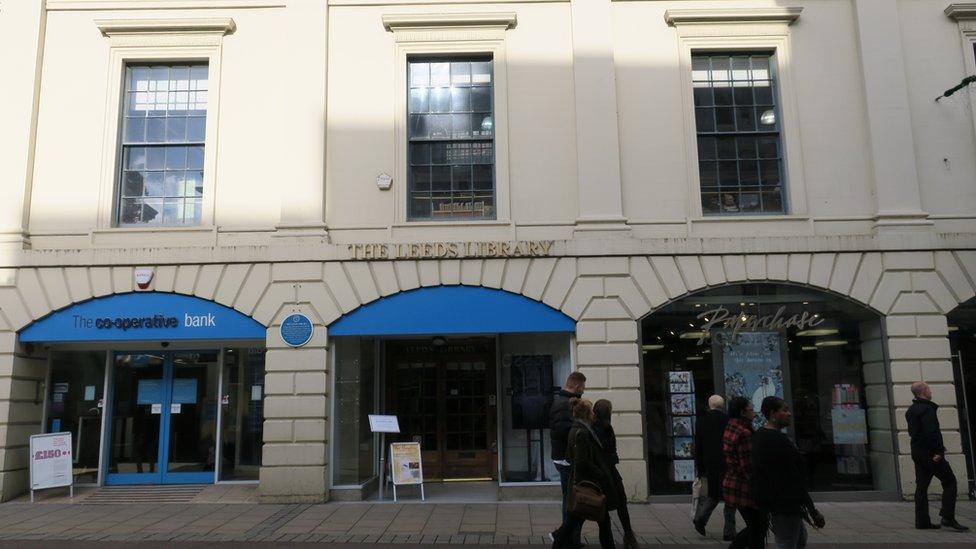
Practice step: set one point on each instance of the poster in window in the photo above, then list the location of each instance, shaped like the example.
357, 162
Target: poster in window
680, 382
681, 426
683, 470
752, 366
531, 391
849, 425
683, 405
684, 447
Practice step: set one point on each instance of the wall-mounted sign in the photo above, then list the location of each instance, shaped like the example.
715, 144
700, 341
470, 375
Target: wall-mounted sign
720, 317
296, 330
452, 250
143, 316
50, 461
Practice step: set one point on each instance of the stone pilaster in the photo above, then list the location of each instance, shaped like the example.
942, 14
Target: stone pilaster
22, 376
295, 461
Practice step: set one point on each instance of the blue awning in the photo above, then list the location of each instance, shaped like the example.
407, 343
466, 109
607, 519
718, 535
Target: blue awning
144, 316
442, 310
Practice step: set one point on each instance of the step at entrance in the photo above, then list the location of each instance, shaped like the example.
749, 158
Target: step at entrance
117, 495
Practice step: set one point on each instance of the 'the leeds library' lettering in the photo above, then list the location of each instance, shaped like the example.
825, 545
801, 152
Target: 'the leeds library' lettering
451, 250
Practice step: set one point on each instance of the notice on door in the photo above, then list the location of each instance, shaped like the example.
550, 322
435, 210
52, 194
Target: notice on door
406, 464
50, 460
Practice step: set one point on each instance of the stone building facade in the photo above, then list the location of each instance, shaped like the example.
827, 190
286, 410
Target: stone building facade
597, 212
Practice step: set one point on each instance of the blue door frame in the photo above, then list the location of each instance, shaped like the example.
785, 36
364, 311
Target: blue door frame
161, 476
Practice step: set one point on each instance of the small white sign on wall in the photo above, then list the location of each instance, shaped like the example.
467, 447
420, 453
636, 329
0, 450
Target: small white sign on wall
384, 424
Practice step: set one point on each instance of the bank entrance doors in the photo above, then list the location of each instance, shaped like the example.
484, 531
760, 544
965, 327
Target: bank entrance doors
163, 418
444, 397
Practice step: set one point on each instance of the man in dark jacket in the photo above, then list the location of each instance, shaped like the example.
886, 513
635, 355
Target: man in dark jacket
778, 480
710, 465
928, 453
560, 421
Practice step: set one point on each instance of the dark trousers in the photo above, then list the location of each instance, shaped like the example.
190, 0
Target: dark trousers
564, 484
925, 469
567, 536
704, 511
753, 535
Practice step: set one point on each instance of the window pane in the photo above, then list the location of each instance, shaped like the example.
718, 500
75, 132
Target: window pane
157, 101
736, 121
450, 150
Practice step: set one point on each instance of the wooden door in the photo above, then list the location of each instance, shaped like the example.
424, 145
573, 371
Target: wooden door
444, 398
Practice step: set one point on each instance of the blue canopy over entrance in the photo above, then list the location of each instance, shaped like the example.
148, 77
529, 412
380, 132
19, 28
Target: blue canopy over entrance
452, 310
143, 316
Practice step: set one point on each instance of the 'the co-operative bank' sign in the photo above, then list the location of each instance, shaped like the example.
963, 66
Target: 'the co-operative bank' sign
143, 317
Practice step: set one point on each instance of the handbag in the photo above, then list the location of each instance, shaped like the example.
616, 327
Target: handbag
587, 501
699, 490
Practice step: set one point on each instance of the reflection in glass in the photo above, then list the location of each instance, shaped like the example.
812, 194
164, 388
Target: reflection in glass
75, 404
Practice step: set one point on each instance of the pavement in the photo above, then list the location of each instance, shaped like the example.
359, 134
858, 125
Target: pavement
54, 523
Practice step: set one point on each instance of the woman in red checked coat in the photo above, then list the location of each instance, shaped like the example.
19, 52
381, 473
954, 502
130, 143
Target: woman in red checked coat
737, 485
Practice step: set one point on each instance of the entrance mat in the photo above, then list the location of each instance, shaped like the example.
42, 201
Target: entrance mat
118, 495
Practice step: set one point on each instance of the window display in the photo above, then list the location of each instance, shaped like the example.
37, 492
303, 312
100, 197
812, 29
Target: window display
759, 340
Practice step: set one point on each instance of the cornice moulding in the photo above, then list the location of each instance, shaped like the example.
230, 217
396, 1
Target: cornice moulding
117, 27
82, 5
961, 11
407, 21
731, 15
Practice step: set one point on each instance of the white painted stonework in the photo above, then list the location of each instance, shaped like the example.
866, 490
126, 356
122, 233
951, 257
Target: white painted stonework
595, 151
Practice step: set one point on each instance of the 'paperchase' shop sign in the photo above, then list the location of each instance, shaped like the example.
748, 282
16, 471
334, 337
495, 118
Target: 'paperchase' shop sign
146, 317
452, 250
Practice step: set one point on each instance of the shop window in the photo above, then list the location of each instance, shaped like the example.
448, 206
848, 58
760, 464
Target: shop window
164, 116
962, 341
354, 446
740, 154
242, 414
534, 366
451, 131
759, 340
75, 405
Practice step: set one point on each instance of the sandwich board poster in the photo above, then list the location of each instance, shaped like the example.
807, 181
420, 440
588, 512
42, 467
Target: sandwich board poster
50, 461
405, 463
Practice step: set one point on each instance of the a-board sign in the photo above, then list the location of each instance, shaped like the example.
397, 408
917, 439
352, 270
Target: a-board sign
405, 463
383, 424
50, 460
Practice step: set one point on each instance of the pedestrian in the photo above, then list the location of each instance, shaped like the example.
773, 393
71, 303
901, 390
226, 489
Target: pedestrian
588, 463
710, 465
779, 481
560, 422
603, 409
737, 484
928, 453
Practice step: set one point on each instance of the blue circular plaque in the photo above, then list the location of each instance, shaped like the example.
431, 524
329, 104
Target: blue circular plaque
296, 330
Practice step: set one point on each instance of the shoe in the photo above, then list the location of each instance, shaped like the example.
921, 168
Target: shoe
699, 527
552, 538
630, 541
952, 524
928, 526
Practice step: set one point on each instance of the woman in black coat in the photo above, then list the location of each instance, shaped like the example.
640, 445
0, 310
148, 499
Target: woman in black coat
588, 462
603, 410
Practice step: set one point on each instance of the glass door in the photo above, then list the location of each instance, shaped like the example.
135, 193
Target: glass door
163, 418
137, 419
191, 418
